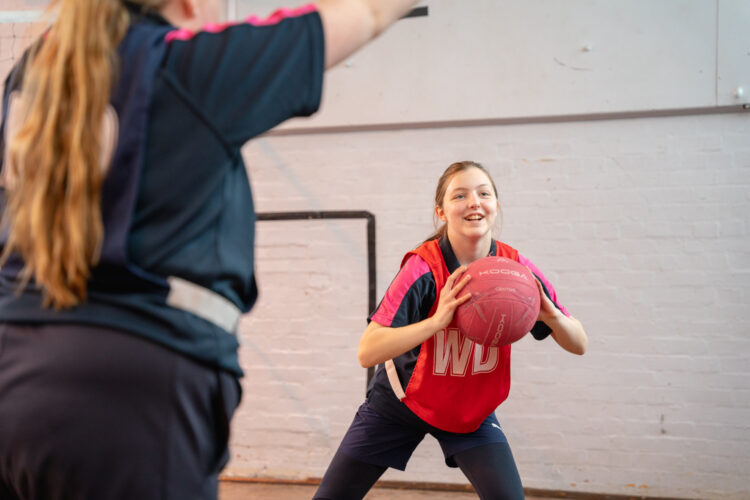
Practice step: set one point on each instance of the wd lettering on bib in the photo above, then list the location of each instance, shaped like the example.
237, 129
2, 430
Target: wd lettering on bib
453, 351
456, 382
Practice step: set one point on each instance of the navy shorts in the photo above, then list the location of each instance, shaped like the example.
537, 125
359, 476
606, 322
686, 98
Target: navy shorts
94, 413
378, 440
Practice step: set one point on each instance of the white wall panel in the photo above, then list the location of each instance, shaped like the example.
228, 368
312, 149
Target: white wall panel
489, 59
733, 71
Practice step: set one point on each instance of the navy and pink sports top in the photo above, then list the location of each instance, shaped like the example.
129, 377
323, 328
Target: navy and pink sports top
176, 202
431, 381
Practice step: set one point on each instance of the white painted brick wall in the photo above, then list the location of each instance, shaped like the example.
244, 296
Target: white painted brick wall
641, 225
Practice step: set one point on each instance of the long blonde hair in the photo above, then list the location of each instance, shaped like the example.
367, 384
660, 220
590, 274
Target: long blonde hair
442, 187
53, 209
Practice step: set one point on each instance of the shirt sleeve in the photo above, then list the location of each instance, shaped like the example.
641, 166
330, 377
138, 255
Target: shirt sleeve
540, 330
409, 297
248, 77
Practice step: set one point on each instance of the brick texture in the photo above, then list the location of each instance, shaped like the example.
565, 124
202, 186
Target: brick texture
640, 224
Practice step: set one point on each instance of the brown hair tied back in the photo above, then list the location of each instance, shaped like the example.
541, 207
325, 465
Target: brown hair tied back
54, 172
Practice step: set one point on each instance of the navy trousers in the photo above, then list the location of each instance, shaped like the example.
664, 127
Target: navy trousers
95, 413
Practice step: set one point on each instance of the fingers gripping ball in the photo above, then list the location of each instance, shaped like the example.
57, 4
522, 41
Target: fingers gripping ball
504, 303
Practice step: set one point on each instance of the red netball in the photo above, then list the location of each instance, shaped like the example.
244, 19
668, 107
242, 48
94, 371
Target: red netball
504, 303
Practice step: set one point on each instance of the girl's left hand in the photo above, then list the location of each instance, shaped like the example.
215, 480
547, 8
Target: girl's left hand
567, 331
547, 309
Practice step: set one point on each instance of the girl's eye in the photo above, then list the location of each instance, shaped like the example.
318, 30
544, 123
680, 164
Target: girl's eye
458, 197
486, 194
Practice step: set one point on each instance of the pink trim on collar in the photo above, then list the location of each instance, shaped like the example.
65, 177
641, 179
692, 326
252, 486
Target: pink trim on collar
275, 18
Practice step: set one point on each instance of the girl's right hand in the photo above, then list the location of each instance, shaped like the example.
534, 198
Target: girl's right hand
449, 299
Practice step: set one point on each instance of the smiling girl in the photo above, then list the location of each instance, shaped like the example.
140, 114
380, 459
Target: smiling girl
426, 382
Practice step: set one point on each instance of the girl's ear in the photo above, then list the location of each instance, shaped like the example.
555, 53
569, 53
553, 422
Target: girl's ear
440, 213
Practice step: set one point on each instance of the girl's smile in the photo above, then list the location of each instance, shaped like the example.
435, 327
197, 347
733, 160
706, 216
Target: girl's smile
470, 205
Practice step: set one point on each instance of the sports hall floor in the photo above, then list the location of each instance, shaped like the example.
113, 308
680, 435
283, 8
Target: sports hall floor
230, 490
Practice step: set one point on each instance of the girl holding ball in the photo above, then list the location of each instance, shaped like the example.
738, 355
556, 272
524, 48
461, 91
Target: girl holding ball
430, 378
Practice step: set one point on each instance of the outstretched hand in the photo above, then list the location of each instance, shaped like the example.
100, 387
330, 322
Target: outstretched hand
449, 299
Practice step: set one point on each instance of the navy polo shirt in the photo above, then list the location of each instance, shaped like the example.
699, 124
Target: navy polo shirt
176, 200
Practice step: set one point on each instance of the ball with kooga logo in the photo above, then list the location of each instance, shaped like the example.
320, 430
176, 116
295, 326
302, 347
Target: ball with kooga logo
504, 303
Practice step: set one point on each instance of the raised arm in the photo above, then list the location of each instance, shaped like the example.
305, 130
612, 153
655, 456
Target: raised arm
350, 24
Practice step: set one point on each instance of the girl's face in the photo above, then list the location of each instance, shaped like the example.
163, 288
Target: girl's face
469, 207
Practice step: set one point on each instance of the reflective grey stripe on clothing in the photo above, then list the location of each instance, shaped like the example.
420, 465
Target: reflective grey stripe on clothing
204, 303
390, 370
